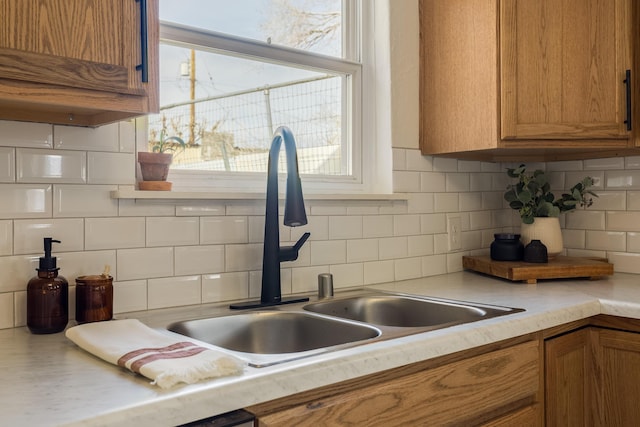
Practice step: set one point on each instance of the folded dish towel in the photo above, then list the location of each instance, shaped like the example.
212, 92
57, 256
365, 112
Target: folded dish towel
165, 360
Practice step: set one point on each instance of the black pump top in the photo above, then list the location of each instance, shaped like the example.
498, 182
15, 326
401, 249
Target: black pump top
47, 262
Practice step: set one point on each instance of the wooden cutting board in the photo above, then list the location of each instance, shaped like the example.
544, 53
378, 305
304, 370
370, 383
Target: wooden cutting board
561, 267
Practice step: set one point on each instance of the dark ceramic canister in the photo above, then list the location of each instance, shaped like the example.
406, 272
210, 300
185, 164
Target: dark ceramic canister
506, 247
535, 251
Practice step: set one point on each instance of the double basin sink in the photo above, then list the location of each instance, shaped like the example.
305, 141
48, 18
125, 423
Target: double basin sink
282, 333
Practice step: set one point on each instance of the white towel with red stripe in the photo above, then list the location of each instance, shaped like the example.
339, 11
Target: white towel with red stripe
162, 358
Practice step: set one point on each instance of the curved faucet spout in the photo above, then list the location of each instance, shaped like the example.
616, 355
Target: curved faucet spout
294, 215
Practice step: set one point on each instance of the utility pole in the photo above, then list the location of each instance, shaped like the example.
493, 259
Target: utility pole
192, 93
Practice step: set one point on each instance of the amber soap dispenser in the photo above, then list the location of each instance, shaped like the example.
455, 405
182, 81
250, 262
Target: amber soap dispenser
47, 296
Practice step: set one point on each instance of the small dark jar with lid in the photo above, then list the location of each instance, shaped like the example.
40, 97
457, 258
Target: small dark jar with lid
94, 298
506, 247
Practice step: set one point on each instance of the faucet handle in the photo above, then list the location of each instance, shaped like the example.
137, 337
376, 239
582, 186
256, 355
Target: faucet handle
290, 253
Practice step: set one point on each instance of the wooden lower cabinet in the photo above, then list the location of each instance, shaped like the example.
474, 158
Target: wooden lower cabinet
498, 388
592, 378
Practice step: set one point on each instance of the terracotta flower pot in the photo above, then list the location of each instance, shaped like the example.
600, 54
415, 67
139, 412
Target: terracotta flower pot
154, 168
547, 230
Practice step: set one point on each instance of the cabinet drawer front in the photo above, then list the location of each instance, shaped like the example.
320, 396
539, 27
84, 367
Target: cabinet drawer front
456, 393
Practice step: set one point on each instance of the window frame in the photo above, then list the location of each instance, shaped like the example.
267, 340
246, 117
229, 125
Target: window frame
368, 158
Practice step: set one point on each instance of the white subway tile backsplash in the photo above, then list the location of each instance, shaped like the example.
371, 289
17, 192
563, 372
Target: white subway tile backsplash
609, 201
585, 219
491, 167
419, 202
199, 259
347, 275
141, 208
144, 263
469, 166
632, 162
127, 136
84, 201
243, 257
622, 180
129, 296
406, 225
633, 242
103, 138
446, 202
7, 164
305, 279
408, 268
393, 247
434, 265
418, 162
21, 134
625, 262
608, 163
30, 234
420, 245
16, 271
377, 226
444, 164
20, 308
399, 159
174, 292
6, 310
345, 227
25, 201
378, 272
433, 223
114, 233
225, 287
406, 181
37, 166
623, 221
633, 200
111, 168
575, 239
606, 240
224, 229
481, 182
457, 182
6, 237
470, 201
318, 226
74, 264
432, 182
567, 165
201, 209
328, 252
362, 250
173, 231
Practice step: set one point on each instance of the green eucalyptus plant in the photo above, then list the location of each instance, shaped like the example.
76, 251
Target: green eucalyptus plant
531, 195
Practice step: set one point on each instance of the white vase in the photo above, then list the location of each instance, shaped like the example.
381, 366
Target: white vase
547, 230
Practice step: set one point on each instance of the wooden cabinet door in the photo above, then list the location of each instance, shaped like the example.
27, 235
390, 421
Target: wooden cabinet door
76, 61
563, 64
617, 379
468, 392
568, 370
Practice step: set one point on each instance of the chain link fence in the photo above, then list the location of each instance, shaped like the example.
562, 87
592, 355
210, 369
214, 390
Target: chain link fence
233, 132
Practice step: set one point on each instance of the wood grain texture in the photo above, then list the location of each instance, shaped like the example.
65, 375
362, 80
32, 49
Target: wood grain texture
74, 61
568, 372
464, 392
562, 63
617, 379
561, 267
517, 80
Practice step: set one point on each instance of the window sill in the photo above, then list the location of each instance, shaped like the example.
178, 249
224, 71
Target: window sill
202, 195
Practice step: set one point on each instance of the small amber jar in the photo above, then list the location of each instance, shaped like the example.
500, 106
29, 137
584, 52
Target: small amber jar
94, 298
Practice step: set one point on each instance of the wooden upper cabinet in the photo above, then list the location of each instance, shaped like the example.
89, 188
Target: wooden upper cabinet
513, 80
563, 66
77, 62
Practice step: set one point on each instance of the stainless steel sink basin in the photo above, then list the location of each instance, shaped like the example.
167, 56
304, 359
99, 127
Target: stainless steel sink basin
406, 311
293, 331
274, 332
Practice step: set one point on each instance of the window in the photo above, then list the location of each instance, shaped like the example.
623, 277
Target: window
230, 75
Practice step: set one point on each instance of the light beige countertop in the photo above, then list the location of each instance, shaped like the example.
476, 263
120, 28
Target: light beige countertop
47, 380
